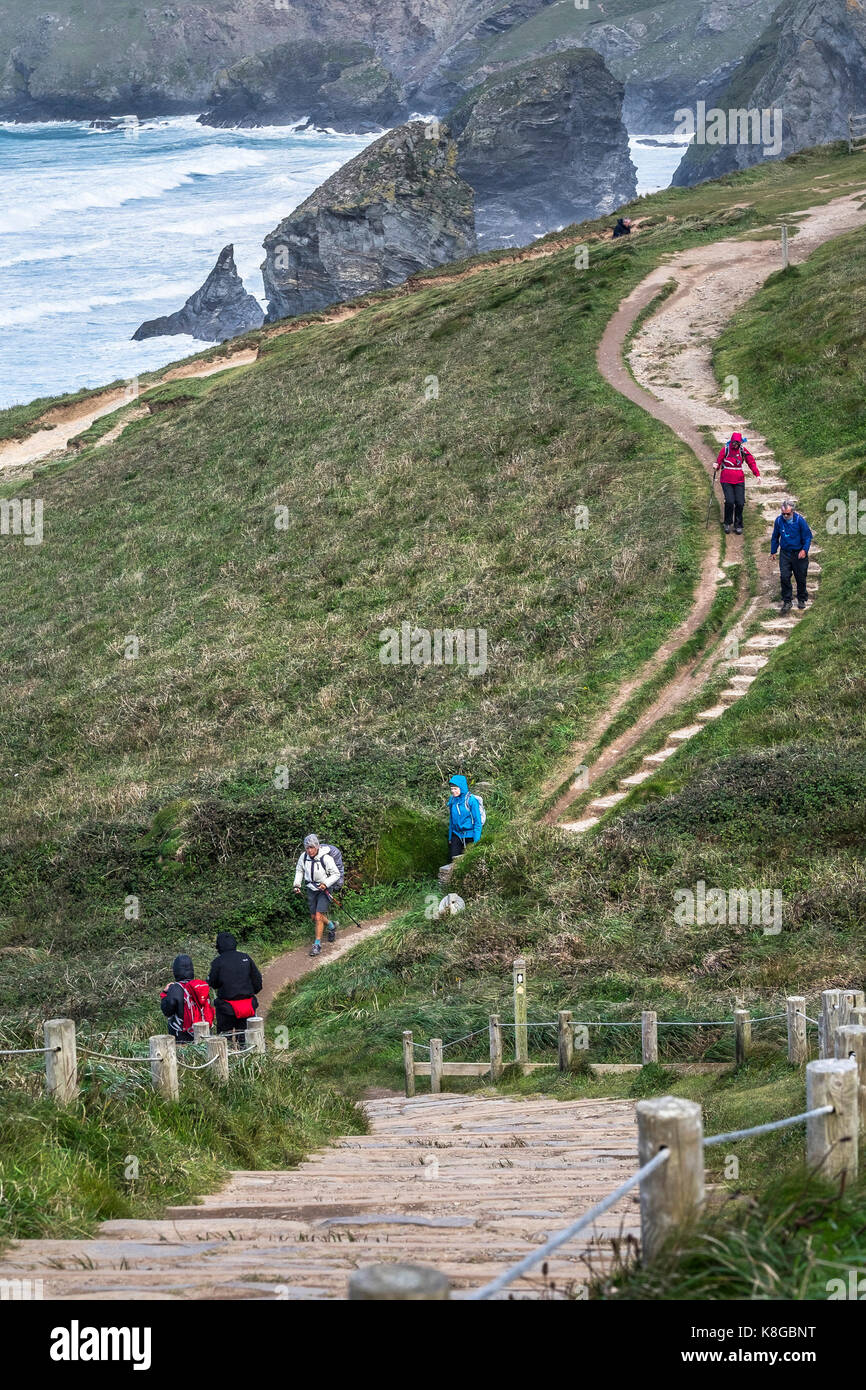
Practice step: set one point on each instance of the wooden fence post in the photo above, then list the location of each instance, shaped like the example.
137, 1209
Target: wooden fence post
387, 1283
851, 1042
798, 1045
435, 1065
521, 1043
858, 1017
61, 1065
201, 1031
742, 1034
565, 1036
784, 247
409, 1061
831, 1005
496, 1064
649, 1036
255, 1034
163, 1065
674, 1194
831, 1140
851, 999
219, 1047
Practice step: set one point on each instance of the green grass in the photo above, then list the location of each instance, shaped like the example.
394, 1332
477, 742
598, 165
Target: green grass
122, 1151
258, 708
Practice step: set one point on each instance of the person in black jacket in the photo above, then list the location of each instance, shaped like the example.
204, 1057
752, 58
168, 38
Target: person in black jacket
623, 227
186, 996
237, 980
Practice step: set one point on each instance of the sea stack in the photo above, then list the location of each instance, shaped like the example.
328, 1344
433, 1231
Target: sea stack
221, 309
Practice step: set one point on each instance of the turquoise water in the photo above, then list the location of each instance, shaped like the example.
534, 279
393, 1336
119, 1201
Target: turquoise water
101, 230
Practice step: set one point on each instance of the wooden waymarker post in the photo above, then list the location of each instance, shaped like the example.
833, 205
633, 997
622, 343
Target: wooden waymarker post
798, 1045
649, 1036
521, 1040
784, 247
565, 1034
387, 1283
163, 1065
61, 1065
496, 1063
255, 1034
409, 1061
435, 1065
219, 1047
742, 1034
831, 1140
851, 1042
673, 1194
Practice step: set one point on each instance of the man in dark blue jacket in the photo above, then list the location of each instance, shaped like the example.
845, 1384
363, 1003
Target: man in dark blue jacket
792, 538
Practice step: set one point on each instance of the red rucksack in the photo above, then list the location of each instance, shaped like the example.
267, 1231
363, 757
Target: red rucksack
197, 1007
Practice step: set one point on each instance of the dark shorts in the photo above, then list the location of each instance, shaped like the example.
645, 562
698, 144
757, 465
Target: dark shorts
317, 901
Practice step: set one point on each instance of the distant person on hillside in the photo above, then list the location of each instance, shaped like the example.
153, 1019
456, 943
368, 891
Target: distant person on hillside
465, 817
732, 456
186, 1001
623, 227
237, 980
792, 537
318, 871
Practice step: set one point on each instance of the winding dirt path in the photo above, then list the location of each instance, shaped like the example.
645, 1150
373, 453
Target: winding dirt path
284, 970
672, 378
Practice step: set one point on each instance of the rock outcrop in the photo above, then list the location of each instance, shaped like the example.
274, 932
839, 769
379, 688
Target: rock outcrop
343, 86
810, 66
394, 209
543, 145
221, 309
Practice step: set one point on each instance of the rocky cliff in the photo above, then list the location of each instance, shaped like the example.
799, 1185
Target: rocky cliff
810, 65
220, 309
341, 86
543, 145
396, 208
95, 57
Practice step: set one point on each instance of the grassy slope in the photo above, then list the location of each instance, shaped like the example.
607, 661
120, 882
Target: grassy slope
770, 796
153, 777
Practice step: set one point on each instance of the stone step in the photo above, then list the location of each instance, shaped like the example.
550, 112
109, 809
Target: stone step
715, 713
749, 663
742, 681
682, 735
579, 827
766, 642
635, 779
655, 759
733, 694
604, 803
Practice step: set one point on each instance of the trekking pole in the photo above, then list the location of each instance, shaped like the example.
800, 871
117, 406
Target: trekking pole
710, 502
340, 907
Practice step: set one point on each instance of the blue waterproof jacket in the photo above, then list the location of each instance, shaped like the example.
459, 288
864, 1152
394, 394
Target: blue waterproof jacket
464, 817
791, 535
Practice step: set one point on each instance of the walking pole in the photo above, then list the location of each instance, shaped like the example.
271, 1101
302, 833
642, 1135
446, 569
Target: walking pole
341, 907
710, 502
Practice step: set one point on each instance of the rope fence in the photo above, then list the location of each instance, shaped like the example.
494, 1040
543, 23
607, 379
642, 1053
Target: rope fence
838, 1006
64, 1054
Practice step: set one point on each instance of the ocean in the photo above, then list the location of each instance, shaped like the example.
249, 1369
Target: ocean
100, 230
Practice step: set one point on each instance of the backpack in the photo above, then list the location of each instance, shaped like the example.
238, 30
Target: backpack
197, 1007
481, 811
338, 860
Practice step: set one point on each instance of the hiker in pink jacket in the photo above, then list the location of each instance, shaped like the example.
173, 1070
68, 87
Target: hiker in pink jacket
732, 458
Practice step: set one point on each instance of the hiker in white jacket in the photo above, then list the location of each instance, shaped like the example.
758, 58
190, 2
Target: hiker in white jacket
317, 871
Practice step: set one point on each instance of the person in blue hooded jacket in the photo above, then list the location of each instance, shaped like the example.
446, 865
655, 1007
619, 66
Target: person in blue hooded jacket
464, 817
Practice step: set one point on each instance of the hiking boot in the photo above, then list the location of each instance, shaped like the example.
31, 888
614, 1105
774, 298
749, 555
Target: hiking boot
738, 530
801, 603
316, 948
727, 528
786, 607
332, 931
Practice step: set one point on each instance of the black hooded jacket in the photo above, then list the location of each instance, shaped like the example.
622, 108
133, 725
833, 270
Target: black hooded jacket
234, 975
171, 1002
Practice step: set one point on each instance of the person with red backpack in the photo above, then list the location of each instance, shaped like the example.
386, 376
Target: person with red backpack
185, 1002
732, 457
237, 980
